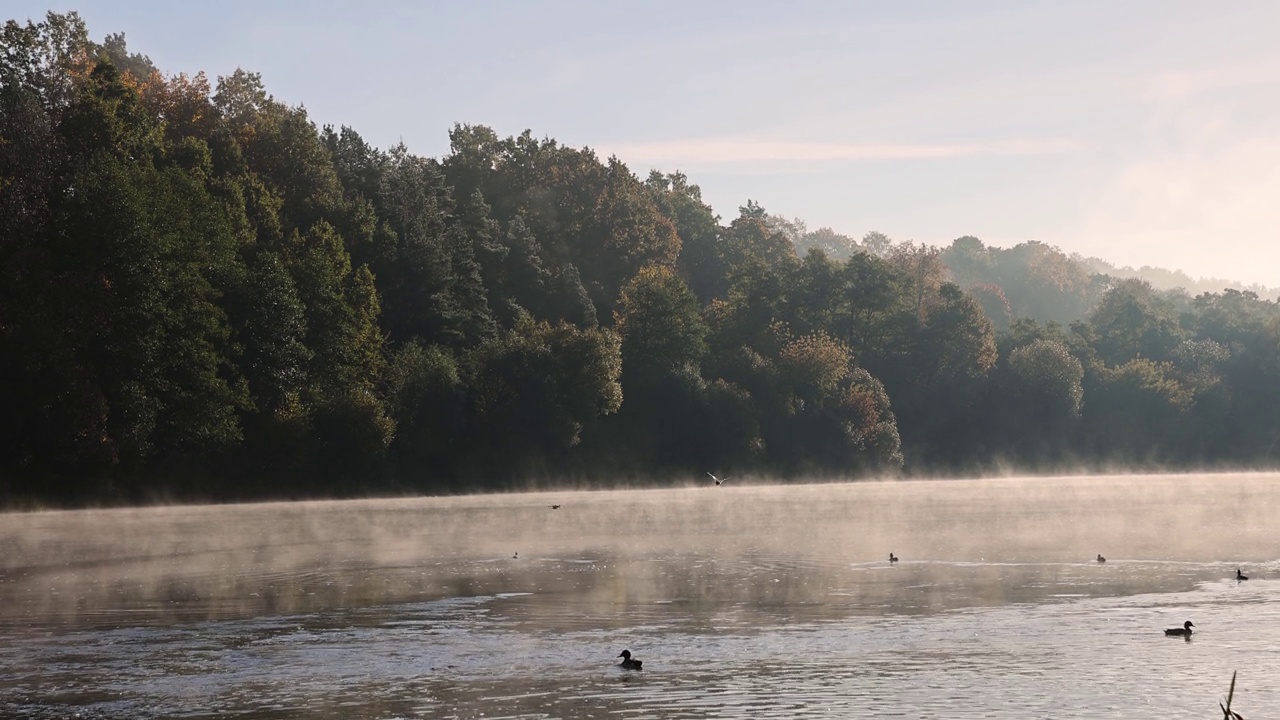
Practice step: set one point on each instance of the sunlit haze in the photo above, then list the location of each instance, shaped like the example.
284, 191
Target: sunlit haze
744, 601
1142, 133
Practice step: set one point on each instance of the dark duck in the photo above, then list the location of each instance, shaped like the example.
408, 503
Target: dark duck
1101, 559
628, 663
1184, 631
892, 558
1240, 575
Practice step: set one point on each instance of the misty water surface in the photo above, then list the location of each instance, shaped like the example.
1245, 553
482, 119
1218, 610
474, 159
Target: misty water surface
743, 601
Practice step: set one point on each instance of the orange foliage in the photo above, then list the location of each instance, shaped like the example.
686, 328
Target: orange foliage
180, 103
818, 360
861, 404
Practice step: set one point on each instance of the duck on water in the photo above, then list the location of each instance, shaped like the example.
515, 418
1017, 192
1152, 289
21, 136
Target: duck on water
627, 663
1184, 631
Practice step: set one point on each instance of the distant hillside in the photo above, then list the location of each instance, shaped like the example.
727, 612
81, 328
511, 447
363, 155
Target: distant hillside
1031, 279
1162, 279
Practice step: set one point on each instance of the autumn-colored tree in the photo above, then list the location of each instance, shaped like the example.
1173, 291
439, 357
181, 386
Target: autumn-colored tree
628, 234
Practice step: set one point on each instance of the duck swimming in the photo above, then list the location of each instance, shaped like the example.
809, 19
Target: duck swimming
627, 663
892, 558
1240, 576
1101, 559
1184, 631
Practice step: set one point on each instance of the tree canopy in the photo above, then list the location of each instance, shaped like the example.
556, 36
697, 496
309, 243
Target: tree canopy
205, 295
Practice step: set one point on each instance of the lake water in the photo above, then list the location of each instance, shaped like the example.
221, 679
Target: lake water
742, 601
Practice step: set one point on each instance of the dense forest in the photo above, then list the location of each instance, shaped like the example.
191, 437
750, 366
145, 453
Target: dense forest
206, 296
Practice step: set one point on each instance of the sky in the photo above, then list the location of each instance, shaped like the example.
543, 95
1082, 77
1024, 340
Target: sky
1145, 132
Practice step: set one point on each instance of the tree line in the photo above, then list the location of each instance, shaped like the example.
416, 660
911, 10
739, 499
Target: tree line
207, 296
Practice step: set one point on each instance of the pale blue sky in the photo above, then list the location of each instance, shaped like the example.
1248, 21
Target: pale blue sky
1142, 132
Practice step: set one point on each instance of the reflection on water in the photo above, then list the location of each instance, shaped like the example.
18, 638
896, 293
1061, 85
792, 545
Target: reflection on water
742, 602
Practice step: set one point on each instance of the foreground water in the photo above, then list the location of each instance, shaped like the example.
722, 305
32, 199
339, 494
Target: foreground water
743, 602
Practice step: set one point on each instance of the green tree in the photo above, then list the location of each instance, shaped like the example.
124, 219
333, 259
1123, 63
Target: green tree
1040, 281
627, 234
321, 271
819, 293
359, 166
957, 337
1133, 321
431, 281
1049, 378
241, 100
568, 300
750, 241
829, 415
700, 262
155, 338
536, 388
429, 410
876, 312
46, 58
272, 333
968, 260
877, 243
1138, 412
921, 266
660, 326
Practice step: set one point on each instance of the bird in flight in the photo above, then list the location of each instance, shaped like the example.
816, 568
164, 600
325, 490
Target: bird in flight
718, 480
555, 507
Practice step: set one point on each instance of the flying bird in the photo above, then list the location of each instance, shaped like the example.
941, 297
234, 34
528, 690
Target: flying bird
555, 507
1240, 575
718, 480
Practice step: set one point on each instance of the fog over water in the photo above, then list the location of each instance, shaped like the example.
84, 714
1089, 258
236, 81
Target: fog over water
743, 601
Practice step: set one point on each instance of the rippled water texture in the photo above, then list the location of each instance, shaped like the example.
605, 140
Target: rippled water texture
743, 602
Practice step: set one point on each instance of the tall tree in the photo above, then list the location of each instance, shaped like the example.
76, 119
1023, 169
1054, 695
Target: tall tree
432, 283
660, 325
140, 247
537, 388
1132, 321
700, 262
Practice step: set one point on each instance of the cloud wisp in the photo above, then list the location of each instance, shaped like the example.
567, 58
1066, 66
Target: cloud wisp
737, 150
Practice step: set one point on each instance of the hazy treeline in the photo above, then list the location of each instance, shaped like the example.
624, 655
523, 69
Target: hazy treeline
839, 247
205, 295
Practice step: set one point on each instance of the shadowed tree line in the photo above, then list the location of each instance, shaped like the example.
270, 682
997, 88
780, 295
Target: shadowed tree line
204, 295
